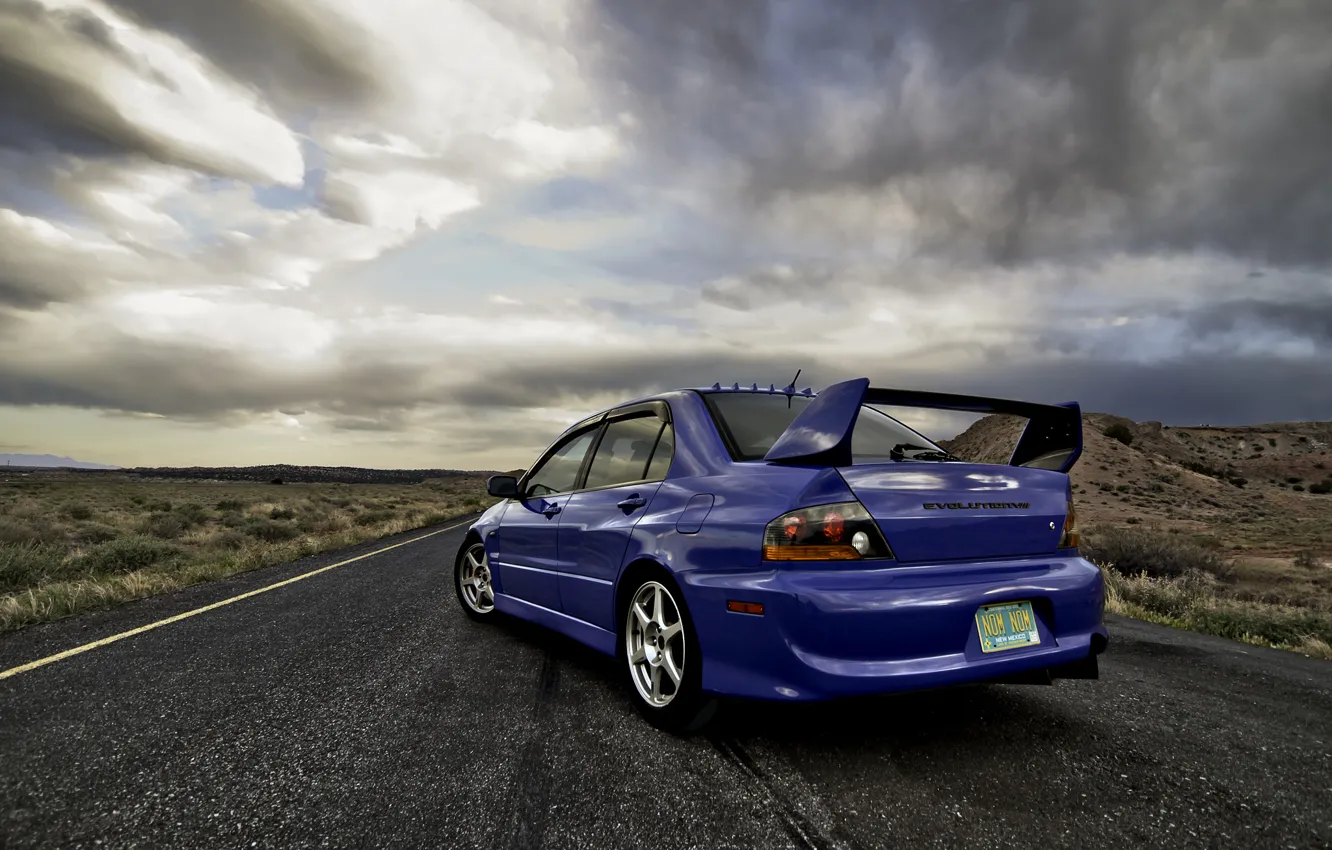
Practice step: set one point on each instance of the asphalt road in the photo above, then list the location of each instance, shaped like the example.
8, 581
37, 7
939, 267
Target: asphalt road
359, 708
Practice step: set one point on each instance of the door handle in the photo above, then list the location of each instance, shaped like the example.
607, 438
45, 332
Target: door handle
634, 501
550, 510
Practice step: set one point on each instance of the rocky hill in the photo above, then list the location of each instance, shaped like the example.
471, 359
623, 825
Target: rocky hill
1262, 489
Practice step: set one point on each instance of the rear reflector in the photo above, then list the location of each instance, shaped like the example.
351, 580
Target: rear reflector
744, 607
810, 553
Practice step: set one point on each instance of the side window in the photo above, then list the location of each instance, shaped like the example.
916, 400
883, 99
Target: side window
560, 471
624, 451
661, 458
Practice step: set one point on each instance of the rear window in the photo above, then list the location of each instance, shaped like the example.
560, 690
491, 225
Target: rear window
751, 422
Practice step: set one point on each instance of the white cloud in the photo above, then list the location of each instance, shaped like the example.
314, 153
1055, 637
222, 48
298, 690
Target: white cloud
156, 83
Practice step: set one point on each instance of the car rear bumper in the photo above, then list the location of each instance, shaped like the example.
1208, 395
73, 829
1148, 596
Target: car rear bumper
829, 631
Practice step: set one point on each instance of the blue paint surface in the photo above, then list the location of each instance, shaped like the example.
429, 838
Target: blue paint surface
962, 536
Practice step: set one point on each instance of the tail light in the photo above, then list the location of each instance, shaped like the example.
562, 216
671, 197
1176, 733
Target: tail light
1070, 537
839, 532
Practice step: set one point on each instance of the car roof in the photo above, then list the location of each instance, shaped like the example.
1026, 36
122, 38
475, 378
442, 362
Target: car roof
736, 387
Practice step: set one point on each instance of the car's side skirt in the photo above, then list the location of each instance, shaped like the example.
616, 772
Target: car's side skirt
583, 632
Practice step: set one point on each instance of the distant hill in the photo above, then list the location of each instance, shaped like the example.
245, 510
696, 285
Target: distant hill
1193, 475
48, 461
289, 474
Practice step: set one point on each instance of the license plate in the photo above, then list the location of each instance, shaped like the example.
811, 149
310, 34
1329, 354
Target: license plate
1006, 626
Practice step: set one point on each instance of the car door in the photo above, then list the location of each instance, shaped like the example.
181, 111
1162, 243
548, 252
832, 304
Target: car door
527, 551
628, 464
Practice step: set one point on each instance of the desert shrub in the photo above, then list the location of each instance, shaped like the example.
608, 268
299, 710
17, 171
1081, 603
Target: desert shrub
27, 564
95, 533
1239, 482
78, 512
281, 513
1133, 551
323, 524
162, 526
1320, 465
163, 506
269, 531
230, 505
1119, 431
1324, 486
192, 514
436, 518
130, 553
229, 539
1298, 488
1307, 560
375, 517
1271, 442
1294, 480
15, 530
232, 519
312, 522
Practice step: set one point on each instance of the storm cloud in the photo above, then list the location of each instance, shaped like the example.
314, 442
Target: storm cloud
1003, 132
454, 228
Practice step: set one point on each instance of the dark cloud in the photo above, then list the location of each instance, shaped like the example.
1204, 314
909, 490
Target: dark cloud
33, 275
1311, 319
1012, 130
51, 67
774, 285
48, 104
575, 378
26, 288
299, 53
194, 382
385, 421
1216, 389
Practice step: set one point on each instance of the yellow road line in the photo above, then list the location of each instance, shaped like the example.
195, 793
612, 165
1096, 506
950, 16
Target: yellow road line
60, 656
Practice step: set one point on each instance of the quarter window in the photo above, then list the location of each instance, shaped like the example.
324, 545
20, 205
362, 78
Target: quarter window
662, 457
559, 473
623, 453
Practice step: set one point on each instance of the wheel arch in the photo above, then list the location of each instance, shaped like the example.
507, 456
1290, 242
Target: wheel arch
471, 538
633, 572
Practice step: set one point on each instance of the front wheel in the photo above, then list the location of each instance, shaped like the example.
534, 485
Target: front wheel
661, 653
471, 580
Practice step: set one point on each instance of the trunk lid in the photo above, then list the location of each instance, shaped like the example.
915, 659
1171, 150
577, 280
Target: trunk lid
930, 511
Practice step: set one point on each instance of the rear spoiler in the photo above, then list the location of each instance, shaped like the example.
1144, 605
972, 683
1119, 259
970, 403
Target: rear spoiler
821, 434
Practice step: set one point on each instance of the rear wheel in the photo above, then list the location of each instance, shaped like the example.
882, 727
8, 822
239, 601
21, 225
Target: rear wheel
661, 655
471, 580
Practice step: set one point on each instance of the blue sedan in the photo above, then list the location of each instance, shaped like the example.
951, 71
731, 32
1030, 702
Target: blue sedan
790, 545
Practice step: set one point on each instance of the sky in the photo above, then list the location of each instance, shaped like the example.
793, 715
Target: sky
434, 233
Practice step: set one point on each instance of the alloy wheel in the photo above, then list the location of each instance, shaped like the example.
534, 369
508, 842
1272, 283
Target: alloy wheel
474, 580
654, 637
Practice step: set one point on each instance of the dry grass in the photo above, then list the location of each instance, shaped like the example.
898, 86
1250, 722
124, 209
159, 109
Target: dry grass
1192, 601
73, 543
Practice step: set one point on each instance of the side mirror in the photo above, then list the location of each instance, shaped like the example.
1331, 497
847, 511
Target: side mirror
502, 486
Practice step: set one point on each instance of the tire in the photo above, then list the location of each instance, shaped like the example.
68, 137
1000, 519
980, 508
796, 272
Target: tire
472, 581
663, 666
